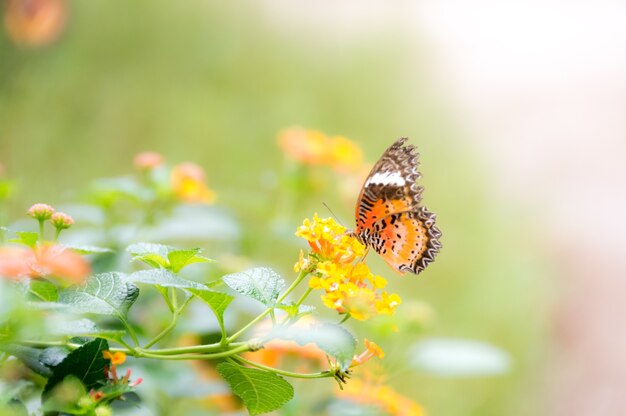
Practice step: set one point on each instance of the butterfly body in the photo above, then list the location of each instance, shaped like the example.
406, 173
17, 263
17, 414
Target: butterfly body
389, 216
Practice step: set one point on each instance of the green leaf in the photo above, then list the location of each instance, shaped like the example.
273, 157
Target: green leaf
154, 255
86, 363
165, 278
181, 258
87, 249
261, 391
333, 339
217, 301
53, 356
27, 238
260, 283
43, 290
102, 294
141, 249
296, 311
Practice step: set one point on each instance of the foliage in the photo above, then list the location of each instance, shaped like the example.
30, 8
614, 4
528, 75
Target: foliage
80, 308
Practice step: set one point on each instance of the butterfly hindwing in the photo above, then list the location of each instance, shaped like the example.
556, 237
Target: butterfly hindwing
407, 241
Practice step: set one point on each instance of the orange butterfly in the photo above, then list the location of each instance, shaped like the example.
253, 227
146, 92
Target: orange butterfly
389, 217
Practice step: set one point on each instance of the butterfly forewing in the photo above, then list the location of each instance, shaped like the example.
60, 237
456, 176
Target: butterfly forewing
390, 187
389, 217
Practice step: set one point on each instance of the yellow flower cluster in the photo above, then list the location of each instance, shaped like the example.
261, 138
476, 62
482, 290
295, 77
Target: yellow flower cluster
376, 393
312, 147
336, 265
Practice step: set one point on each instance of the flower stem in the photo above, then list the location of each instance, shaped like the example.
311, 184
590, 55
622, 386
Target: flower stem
304, 296
197, 352
41, 221
172, 324
210, 356
323, 374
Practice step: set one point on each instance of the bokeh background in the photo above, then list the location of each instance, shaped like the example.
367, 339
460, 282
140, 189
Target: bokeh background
516, 107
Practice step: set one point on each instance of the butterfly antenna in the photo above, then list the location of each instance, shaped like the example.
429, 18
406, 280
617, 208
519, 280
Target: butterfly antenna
333, 214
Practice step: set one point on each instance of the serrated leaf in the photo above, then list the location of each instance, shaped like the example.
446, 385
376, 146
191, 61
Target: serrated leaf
27, 238
165, 278
141, 249
178, 259
102, 294
260, 283
86, 363
43, 290
217, 301
53, 356
261, 391
333, 339
87, 249
154, 255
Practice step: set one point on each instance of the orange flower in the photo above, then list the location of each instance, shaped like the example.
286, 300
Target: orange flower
46, 260
374, 392
34, 22
116, 358
189, 184
371, 350
309, 147
344, 155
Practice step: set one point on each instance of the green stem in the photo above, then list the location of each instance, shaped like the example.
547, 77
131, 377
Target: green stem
184, 353
56, 234
323, 374
344, 319
212, 356
263, 314
194, 349
304, 296
41, 222
130, 330
173, 322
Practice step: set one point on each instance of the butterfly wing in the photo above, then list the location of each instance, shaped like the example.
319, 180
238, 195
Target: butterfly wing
390, 187
389, 217
407, 241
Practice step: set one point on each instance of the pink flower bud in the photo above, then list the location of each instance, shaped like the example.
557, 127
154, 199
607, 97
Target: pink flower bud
148, 160
61, 220
41, 211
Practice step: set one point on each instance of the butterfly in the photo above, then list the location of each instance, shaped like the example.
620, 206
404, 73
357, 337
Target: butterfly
389, 216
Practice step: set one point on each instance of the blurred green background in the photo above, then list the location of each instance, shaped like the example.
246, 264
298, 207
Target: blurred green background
214, 82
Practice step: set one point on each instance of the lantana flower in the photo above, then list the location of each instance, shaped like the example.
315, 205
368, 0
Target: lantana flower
117, 358
43, 261
312, 147
336, 264
189, 184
